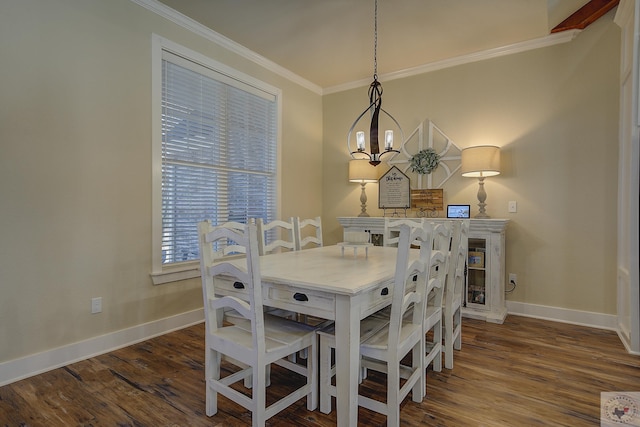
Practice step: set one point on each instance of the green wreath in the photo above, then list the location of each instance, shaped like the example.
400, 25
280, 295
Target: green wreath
425, 161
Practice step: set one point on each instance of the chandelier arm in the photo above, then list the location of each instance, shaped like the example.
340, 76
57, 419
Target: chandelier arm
375, 98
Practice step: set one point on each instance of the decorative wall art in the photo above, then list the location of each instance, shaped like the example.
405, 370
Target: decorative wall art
428, 157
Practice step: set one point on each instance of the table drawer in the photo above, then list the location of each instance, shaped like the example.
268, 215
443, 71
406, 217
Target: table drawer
377, 299
230, 287
315, 303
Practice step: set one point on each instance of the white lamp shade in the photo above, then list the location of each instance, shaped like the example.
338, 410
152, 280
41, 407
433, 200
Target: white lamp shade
481, 161
361, 171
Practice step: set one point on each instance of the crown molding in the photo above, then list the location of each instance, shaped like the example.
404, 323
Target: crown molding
550, 40
195, 27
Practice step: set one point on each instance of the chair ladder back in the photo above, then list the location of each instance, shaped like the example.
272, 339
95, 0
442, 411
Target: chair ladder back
276, 236
249, 275
304, 237
410, 281
439, 270
390, 236
229, 248
458, 260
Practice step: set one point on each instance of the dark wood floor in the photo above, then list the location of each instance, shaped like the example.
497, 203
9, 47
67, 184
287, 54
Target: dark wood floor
525, 372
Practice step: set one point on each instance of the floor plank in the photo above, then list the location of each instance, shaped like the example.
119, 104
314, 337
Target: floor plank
524, 372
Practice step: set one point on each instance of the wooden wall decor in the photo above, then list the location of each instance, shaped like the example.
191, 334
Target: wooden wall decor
428, 201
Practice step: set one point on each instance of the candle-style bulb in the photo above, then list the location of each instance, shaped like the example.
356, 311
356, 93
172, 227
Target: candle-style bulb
360, 140
388, 139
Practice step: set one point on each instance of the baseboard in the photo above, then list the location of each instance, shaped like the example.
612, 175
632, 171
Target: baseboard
34, 364
564, 315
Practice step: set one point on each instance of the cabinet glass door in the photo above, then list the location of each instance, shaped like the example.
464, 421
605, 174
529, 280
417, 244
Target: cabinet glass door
477, 273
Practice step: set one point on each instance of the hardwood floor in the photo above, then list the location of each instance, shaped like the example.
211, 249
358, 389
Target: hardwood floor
526, 372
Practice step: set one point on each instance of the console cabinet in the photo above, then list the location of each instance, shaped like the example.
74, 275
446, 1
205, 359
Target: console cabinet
484, 294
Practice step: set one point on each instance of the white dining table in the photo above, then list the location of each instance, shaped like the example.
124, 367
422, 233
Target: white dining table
325, 283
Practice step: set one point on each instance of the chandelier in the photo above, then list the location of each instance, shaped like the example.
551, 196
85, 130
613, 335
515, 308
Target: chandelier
374, 109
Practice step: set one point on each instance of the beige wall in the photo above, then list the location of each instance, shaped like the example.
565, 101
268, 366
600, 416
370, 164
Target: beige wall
554, 112
75, 168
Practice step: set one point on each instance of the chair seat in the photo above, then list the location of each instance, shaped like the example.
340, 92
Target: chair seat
378, 342
368, 326
279, 334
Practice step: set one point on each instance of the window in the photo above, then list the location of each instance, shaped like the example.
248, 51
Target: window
218, 137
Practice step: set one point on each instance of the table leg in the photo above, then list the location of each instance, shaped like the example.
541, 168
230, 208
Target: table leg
347, 330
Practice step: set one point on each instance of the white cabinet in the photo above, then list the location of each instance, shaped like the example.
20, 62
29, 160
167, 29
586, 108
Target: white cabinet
484, 295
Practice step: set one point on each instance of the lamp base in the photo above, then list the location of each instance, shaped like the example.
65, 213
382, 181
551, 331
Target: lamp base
363, 200
482, 196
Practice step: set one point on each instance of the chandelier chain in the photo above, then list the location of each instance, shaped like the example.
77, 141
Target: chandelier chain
375, 41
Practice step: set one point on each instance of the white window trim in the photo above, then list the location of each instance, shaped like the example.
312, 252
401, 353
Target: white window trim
180, 271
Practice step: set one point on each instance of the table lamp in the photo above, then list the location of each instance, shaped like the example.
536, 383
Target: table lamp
480, 162
361, 171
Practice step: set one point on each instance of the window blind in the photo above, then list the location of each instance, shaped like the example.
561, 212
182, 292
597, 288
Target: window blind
219, 153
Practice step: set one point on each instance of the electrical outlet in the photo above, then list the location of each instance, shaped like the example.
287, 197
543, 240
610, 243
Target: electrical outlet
513, 206
96, 305
513, 278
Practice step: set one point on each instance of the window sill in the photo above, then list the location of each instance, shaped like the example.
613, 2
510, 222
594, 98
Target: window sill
176, 274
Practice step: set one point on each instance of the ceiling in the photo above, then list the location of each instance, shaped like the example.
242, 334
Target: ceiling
330, 42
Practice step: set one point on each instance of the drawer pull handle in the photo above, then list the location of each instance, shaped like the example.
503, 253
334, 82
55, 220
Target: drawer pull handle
384, 291
238, 285
300, 297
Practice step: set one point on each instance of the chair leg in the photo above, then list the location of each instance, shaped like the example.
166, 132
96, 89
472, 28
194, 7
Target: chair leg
393, 394
419, 389
457, 325
248, 380
437, 339
325, 374
448, 342
312, 375
259, 396
212, 372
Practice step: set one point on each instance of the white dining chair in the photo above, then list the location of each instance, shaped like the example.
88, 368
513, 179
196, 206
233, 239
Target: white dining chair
308, 232
454, 286
385, 345
254, 343
433, 326
276, 236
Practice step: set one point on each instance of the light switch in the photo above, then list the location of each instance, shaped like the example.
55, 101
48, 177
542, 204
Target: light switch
513, 206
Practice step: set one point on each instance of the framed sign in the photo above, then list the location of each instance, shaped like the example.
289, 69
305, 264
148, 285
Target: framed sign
394, 190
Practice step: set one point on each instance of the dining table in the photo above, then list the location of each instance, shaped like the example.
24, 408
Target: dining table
328, 283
